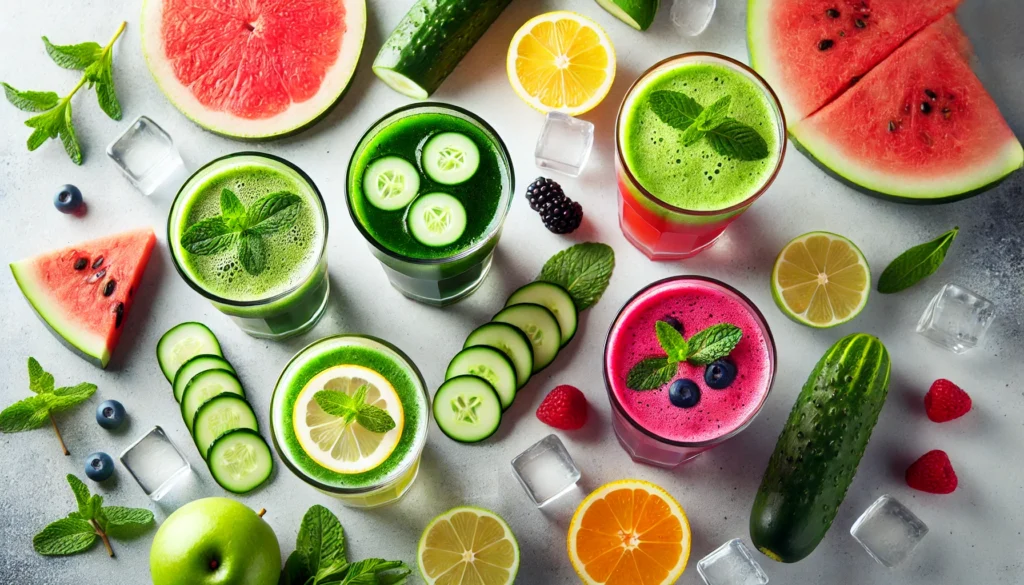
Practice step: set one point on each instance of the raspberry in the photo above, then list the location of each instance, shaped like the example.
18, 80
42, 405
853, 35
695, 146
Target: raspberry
564, 408
945, 401
932, 473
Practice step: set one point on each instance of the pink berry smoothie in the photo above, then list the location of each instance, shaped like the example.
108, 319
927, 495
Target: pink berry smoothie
697, 303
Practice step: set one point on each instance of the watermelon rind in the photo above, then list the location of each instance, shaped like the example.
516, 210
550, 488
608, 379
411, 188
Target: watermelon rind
296, 119
90, 346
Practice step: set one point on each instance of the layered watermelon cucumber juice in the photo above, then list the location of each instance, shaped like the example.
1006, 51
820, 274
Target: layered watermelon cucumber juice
429, 186
699, 138
249, 232
704, 400
349, 417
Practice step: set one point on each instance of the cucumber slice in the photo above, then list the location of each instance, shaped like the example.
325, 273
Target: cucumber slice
196, 366
205, 386
553, 298
467, 408
491, 365
182, 343
508, 340
437, 219
451, 158
391, 183
540, 327
240, 461
221, 414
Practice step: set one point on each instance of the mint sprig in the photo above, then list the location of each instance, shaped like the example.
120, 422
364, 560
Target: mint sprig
703, 348
916, 264
35, 411
355, 409
727, 136
54, 119
320, 557
90, 523
243, 228
584, 270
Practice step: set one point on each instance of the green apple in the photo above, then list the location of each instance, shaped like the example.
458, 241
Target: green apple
215, 541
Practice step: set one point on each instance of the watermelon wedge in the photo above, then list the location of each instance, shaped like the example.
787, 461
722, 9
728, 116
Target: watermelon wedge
253, 69
84, 292
919, 127
810, 51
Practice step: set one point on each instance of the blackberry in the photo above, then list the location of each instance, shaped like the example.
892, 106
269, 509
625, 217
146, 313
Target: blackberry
563, 217
543, 192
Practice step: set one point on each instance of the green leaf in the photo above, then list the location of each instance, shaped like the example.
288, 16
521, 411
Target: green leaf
36, 139
671, 341
76, 57
274, 212
916, 264
31, 101
252, 253
101, 75
321, 541
209, 236
651, 374
94, 509
49, 122
715, 114
713, 343
359, 398
121, 522
66, 536
674, 108
39, 380
693, 135
69, 138
584, 270
232, 210
737, 140
375, 420
294, 571
69, 396
369, 572
337, 404
25, 415
82, 495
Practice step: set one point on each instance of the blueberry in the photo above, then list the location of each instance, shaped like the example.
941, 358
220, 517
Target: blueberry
68, 199
99, 466
720, 374
674, 323
110, 414
684, 393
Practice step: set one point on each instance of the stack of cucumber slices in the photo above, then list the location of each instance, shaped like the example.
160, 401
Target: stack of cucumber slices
499, 358
213, 405
435, 219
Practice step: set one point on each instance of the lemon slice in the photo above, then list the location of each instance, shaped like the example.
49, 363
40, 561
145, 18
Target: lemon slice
561, 61
468, 546
347, 447
821, 279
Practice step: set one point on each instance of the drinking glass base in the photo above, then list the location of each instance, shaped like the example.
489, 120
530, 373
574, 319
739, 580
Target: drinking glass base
261, 329
384, 496
656, 255
644, 449
440, 293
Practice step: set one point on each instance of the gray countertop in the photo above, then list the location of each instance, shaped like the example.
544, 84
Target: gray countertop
975, 532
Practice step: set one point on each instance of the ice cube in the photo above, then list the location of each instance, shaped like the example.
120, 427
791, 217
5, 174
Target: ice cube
564, 144
888, 531
956, 319
546, 470
155, 463
731, 564
691, 17
146, 155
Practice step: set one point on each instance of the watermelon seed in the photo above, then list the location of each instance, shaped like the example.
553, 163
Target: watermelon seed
832, 13
826, 44
97, 263
109, 288
946, 113
860, 23
119, 312
926, 108
81, 263
931, 94
892, 126
842, 33
96, 276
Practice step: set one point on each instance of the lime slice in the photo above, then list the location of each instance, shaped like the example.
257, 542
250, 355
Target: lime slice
347, 447
821, 280
468, 545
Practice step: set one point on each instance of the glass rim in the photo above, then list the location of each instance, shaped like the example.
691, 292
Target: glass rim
503, 211
400, 470
276, 297
774, 99
769, 338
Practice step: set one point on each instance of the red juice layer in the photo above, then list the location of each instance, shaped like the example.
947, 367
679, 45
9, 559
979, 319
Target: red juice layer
697, 305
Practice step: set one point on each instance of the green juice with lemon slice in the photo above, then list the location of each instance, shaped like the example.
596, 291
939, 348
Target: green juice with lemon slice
340, 457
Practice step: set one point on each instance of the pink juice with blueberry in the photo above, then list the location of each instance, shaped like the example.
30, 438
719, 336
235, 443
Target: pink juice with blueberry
665, 426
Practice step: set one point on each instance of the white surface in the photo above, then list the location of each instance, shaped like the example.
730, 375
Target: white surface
976, 532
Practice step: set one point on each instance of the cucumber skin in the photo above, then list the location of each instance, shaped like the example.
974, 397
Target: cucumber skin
434, 36
819, 449
642, 11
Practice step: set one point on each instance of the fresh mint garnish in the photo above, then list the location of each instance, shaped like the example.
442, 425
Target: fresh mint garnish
55, 118
355, 409
35, 411
243, 228
727, 136
916, 264
92, 522
584, 270
320, 557
701, 349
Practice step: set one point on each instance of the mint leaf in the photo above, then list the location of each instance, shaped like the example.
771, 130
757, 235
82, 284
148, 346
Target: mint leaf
252, 253
916, 264
294, 571
375, 420
651, 374
584, 270
39, 380
31, 101
68, 138
209, 236
25, 415
370, 572
101, 75
359, 398
674, 108
36, 139
66, 536
735, 139
274, 212
715, 114
671, 341
232, 210
82, 496
713, 343
72, 395
337, 404
76, 57
693, 135
127, 517
321, 541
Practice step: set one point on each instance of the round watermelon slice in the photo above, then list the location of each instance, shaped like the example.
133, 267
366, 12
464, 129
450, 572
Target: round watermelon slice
253, 69
84, 292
